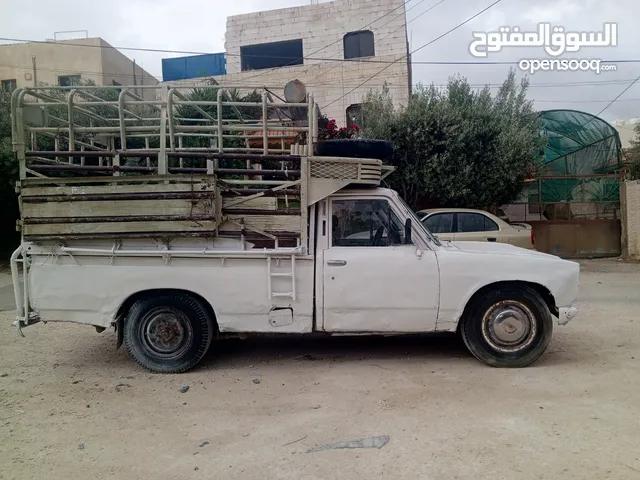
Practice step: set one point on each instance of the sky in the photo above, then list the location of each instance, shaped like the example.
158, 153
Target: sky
199, 26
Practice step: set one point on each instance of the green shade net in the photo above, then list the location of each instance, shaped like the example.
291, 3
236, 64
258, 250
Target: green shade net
573, 190
578, 143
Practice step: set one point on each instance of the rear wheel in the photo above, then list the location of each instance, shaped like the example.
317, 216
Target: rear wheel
507, 327
168, 333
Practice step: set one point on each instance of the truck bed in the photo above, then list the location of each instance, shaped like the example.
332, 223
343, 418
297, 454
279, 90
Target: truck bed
133, 190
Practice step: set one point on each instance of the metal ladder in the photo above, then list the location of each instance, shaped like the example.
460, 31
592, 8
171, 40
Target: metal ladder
291, 275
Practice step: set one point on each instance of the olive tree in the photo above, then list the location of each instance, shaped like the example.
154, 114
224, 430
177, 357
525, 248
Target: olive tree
456, 146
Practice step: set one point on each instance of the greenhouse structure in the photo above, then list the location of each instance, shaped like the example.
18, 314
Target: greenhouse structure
574, 203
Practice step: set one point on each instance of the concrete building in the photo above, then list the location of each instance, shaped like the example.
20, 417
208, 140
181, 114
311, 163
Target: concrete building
67, 62
331, 47
627, 131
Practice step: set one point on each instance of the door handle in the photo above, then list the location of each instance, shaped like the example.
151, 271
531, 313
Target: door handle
491, 239
337, 263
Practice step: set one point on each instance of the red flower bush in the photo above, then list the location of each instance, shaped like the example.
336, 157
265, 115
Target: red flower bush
331, 131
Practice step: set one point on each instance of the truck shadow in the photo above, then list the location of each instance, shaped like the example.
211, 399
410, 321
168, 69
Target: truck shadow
384, 352
437, 348
237, 353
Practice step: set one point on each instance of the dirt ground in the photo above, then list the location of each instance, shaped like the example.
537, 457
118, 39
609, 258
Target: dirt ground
71, 407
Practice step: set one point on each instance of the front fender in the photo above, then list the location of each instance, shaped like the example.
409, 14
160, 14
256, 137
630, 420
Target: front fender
462, 274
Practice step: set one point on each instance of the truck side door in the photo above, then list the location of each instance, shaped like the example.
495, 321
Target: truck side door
373, 281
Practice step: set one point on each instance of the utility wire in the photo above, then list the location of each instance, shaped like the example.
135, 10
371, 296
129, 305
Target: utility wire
621, 93
72, 72
357, 60
588, 101
380, 40
416, 50
403, 86
414, 19
197, 83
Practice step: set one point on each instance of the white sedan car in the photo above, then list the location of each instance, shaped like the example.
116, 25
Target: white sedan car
462, 224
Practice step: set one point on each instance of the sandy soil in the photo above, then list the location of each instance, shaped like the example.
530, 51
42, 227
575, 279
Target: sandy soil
5, 275
261, 405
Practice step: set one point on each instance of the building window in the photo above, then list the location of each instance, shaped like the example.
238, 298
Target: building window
68, 80
9, 85
359, 44
354, 115
271, 55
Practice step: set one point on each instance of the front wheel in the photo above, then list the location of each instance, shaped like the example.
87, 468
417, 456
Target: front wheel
507, 327
168, 333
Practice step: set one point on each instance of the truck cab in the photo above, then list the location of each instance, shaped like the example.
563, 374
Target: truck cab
383, 271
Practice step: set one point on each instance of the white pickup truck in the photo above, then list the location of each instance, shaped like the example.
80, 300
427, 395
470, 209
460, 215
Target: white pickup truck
175, 256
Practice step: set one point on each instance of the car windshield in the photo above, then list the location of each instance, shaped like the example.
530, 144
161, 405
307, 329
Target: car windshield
417, 223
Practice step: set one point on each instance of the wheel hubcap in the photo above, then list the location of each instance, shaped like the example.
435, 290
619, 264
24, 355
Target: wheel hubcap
167, 332
509, 326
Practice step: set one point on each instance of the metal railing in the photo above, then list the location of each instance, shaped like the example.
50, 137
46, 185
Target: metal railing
115, 130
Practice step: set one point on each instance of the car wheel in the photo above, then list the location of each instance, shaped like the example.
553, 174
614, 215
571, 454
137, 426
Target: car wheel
168, 333
507, 327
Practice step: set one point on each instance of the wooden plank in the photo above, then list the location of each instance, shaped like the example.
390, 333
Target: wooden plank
118, 219
136, 207
273, 223
107, 179
62, 229
27, 191
262, 203
117, 208
65, 229
288, 237
119, 197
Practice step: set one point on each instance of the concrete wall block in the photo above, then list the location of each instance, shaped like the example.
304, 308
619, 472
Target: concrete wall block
630, 203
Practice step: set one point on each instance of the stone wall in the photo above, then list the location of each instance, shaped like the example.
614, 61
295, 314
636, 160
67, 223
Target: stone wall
630, 206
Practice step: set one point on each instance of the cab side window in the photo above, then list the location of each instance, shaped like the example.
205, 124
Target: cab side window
365, 223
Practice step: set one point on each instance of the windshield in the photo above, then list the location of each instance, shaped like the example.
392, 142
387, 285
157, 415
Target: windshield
417, 223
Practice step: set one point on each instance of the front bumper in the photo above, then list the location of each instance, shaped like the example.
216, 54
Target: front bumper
565, 314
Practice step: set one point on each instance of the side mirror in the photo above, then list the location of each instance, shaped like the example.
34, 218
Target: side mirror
407, 232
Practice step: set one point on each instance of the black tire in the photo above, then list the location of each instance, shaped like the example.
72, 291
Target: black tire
356, 148
168, 333
524, 327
